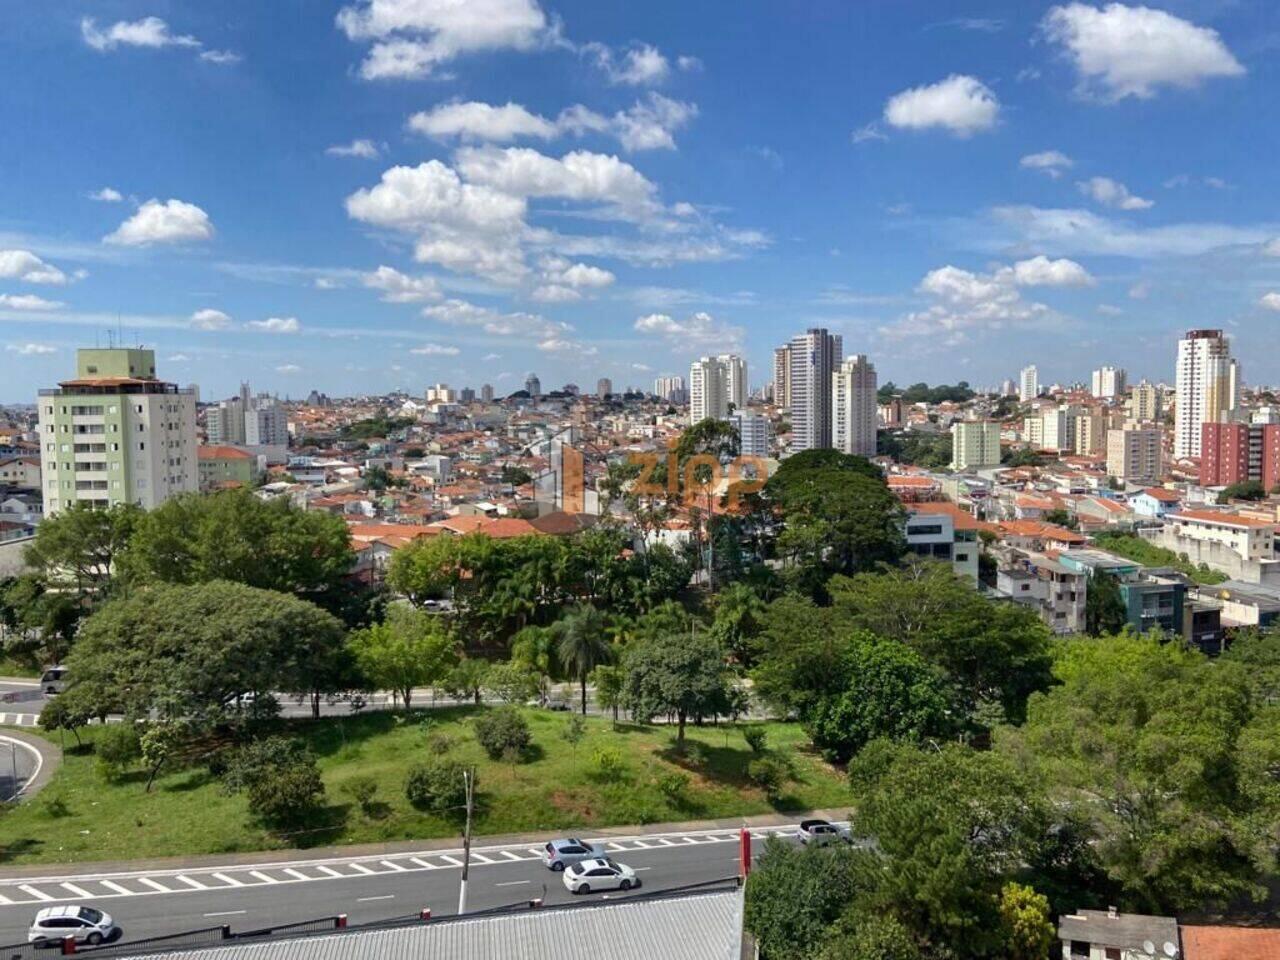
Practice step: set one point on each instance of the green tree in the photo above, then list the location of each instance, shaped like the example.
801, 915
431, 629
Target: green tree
609, 681
436, 784
582, 645
511, 682
676, 674
410, 649
862, 935
738, 620
1104, 609
1245, 490
467, 679
1024, 920
80, 545
502, 730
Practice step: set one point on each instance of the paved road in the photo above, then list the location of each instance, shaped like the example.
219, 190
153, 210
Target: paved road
248, 896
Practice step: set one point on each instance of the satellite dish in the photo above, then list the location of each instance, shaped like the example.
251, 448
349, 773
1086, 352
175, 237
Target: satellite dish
1170, 950
1148, 948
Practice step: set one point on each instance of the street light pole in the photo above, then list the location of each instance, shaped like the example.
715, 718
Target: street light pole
469, 781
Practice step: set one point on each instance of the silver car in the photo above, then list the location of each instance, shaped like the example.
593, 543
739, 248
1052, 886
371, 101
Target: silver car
822, 832
558, 854
87, 924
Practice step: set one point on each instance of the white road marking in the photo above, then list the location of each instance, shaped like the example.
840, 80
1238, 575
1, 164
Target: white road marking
452, 861
330, 871
688, 840
511, 883
511, 856
298, 874
665, 842
639, 845
393, 865
360, 867
638, 869
124, 891
480, 858
388, 896
77, 891
226, 913
33, 892
262, 876
535, 851
158, 887
194, 884
229, 881
424, 864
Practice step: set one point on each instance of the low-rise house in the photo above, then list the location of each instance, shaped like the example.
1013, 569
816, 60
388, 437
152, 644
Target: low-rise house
1243, 604
942, 531
1038, 580
1242, 547
1037, 536
224, 466
1155, 502
1111, 935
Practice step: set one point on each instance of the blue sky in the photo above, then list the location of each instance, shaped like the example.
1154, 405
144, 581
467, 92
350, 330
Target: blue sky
361, 195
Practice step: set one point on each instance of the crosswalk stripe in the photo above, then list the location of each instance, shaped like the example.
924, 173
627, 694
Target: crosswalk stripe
330, 871
423, 863
158, 887
33, 892
614, 846
361, 868
393, 865
511, 856
480, 858
535, 851
110, 885
229, 881
77, 891
688, 840
665, 842
639, 845
452, 861
297, 874
262, 876
193, 884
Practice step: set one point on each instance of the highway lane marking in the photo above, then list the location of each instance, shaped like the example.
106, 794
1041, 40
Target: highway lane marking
361, 868
332, 872
511, 883
665, 842
77, 891
5, 900
33, 892
226, 913
262, 876
424, 864
125, 891
158, 887
688, 840
298, 874
511, 856
194, 884
452, 861
614, 846
638, 869
480, 858
393, 865
387, 896
229, 881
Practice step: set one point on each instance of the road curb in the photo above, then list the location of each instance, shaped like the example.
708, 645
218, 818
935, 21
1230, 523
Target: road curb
50, 755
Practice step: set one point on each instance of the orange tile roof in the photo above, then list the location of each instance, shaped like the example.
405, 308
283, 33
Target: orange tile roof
1047, 531
219, 452
964, 520
1165, 496
376, 531
898, 480
1226, 519
1230, 943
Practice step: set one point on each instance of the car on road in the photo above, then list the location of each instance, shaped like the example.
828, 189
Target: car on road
53, 680
558, 854
87, 924
599, 874
821, 832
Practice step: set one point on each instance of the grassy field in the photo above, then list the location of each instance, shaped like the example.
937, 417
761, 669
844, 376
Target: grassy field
81, 816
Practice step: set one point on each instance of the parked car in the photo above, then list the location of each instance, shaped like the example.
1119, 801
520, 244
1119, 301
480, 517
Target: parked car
86, 924
821, 832
601, 874
558, 854
53, 680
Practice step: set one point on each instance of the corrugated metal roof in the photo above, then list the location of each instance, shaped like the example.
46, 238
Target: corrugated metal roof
696, 927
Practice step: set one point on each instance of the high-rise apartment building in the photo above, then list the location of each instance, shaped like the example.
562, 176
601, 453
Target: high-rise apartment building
670, 389
116, 434
708, 390
735, 379
532, 385
486, 393
466, 395
1089, 433
815, 357
266, 423
1146, 403
782, 377
604, 387
1134, 454
1029, 384
1206, 387
853, 407
225, 423
440, 393
1239, 452
975, 444
1109, 382
753, 433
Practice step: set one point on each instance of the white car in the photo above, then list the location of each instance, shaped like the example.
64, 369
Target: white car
821, 832
86, 924
603, 874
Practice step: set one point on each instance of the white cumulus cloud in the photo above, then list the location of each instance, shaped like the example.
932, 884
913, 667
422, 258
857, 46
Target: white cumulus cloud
30, 349
700, 330
643, 65
27, 301
1112, 193
1040, 271
26, 266
398, 287
1049, 162
150, 33
1121, 51
1270, 301
961, 104
364, 149
209, 319
276, 325
107, 195
435, 350
168, 221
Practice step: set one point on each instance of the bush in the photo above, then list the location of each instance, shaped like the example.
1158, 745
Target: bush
608, 763
117, 746
436, 785
675, 787
362, 789
502, 730
756, 739
768, 774
288, 795
439, 742
256, 760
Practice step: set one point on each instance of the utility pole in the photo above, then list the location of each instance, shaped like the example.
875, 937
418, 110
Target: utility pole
469, 781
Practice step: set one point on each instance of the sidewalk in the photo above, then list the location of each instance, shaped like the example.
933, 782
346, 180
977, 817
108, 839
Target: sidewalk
360, 851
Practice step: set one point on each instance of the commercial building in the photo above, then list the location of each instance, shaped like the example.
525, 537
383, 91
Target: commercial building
754, 433
1239, 452
1206, 383
1029, 384
975, 444
1109, 382
1135, 454
116, 434
853, 407
815, 357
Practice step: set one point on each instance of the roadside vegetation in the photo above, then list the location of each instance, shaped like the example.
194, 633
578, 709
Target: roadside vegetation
1148, 554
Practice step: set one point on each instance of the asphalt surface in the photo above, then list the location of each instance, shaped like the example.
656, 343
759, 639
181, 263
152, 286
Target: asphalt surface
245, 896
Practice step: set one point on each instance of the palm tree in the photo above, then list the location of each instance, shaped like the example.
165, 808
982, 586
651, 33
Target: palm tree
582, 644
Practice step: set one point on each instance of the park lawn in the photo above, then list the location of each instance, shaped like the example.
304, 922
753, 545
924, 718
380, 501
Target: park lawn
80, 816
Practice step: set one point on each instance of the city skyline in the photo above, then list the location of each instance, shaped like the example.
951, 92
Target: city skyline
576, 191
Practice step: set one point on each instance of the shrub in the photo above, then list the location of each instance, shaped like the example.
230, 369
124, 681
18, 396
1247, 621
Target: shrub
608, 763
695, 754
117, 746
362, 789
254, 761
287, 795
436, 785
439, 742
675, 787
768, 774
756, 739
502, 730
